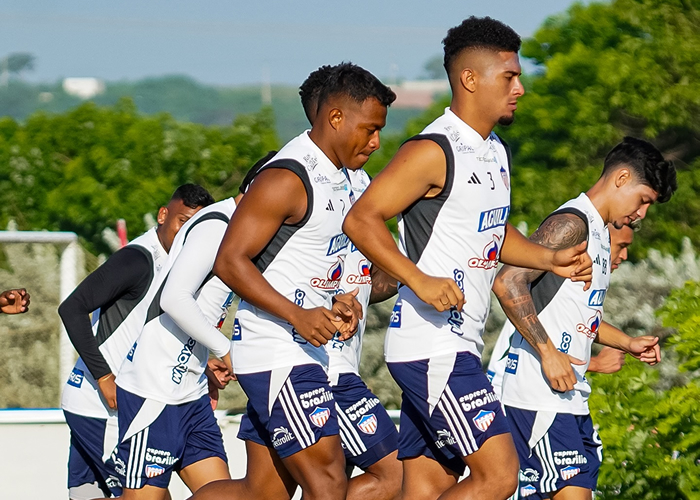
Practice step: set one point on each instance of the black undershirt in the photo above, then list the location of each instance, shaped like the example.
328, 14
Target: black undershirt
125, 275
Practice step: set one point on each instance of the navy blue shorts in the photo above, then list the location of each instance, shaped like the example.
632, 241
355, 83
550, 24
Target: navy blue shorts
569, 453
178, 436
367, 433
448, 408
289, 409
85, 465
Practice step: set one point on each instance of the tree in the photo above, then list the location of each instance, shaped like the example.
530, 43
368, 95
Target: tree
15, 63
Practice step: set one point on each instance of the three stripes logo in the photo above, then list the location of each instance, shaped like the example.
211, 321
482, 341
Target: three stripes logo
329, 207
473, 179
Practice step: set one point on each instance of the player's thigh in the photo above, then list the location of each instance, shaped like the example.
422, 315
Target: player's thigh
205, 471
425, 478
323, 463
495, 459
146, 493
266, 474
388, 467
572, 493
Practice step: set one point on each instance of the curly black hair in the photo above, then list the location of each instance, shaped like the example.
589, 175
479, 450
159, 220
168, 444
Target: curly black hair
311, 88
647, 163
193, 196
355, 82
481, 33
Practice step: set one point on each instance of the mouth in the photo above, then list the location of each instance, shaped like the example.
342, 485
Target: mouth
512, 106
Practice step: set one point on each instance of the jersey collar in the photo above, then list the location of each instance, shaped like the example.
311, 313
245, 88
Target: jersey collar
467, 134
318, 161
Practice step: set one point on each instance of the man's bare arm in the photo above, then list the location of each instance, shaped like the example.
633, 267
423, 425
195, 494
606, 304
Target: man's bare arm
417, 171
511, 287
383, 286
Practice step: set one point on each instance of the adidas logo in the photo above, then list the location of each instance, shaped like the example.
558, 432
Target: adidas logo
329, 207
474, 179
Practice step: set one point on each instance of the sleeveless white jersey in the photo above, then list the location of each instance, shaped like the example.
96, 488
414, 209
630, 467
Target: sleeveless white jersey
571, 318
83, 397
499, 357
458, 235
304, 262
344, 357
166, 364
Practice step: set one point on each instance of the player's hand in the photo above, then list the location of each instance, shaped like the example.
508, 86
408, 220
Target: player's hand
609, 360
109, 390
556, 366
646, 349
317, 326
575, 263
213, 394
349, 309
441, 293
14, 301
219, 372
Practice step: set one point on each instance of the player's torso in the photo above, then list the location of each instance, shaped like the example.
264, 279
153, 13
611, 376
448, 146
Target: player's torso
165, 363
303, 262
456, 235
116, 328
571, 317
344, 357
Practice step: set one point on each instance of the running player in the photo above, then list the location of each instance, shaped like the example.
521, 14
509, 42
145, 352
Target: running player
166, 422
451, 187
286, 270
118, 292
609, 360
545, 391
14, 301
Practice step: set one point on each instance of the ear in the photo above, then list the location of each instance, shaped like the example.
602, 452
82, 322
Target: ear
622, 177
335, 118
468, 79
162, 215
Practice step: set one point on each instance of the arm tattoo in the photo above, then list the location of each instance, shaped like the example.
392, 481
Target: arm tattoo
556, 232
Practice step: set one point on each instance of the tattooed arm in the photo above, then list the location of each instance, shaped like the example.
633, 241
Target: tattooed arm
383, 286
511, 287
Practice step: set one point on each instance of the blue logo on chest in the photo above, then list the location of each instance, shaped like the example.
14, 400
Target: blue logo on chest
76, 378
495, 217
338, 243
596, 298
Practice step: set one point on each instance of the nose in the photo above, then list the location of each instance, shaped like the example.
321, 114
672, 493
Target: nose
623, 254
374, 141
519, 89
642, 212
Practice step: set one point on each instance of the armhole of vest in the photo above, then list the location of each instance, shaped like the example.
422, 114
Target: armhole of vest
254, 170
573, 211
210, 216
444, 144
509, 155
297, 168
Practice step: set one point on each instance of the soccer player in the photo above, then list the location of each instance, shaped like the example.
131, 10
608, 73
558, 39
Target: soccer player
284, 254
166, 422
451, 187
545, 391
609, 360
14, 301
118, 292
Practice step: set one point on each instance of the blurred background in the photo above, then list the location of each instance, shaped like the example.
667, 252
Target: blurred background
106, 108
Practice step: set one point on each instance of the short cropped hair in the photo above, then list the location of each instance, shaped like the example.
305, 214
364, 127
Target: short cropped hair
356, 83
479, 33
193, 196
311, 89
647, 163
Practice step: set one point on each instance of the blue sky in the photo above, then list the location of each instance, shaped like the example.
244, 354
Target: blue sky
233, 43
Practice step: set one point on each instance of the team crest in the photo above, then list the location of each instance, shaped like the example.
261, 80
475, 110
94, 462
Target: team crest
528, 490
483, 420
368, 424
320, 416
153, 470
569, 472
504, 176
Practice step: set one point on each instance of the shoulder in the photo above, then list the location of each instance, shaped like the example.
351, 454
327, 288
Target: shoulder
561, 230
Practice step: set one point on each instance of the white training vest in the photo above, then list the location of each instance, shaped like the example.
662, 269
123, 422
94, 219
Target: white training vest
499, 357
166, 364
458, 235
344, 357
571, 318
304, 262
81, 394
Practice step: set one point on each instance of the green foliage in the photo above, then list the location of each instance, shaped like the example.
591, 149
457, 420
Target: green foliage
83, 170
648, 417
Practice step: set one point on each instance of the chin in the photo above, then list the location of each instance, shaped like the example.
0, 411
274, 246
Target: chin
505, 121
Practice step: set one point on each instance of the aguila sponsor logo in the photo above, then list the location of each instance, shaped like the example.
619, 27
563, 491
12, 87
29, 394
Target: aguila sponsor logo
496, 217
332, 280
363, 277
491, 253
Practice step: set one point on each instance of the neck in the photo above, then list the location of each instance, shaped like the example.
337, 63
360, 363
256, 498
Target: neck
160, 239
471, 116
321, 140
599, 199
